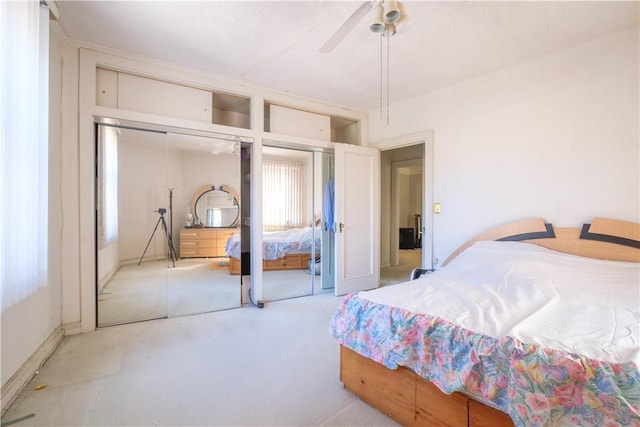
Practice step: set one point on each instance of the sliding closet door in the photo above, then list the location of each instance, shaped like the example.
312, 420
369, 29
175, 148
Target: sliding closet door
291, 237
133, 251
205, 177
168, 205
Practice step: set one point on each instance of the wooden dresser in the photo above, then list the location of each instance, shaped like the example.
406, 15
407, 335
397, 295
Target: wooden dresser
204, 242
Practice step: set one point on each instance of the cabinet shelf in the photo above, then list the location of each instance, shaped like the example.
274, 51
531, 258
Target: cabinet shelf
291, 121
126, 91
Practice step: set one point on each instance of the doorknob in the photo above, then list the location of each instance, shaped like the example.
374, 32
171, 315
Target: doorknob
341, 227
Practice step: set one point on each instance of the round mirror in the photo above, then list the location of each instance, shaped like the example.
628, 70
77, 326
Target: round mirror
216, 207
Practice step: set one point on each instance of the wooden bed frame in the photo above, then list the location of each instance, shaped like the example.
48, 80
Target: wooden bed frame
414, 401
288, 262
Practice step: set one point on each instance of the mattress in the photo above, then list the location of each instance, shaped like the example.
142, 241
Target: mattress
548, 338
277, 244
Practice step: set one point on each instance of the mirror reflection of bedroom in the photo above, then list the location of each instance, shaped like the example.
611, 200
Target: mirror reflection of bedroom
293, 184
166, 205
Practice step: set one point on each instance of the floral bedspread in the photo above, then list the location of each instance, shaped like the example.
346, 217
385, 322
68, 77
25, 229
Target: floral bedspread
275, 250
536, 386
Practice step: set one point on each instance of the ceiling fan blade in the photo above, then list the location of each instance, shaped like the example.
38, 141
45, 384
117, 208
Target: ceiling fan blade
348, 25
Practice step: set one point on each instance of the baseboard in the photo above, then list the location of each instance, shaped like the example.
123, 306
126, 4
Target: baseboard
72, 328
12, 389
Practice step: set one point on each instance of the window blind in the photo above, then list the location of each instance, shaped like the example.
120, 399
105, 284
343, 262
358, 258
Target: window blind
284, 194
24, 129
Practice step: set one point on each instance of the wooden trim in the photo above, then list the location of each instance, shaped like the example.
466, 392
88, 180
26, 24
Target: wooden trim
287, 262
410, 399
548, 234
607, 239
568, 240
612, 227
479, 417
617, 232
533, 225
391, 392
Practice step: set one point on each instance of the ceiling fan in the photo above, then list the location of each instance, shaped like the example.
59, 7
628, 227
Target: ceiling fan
389, 18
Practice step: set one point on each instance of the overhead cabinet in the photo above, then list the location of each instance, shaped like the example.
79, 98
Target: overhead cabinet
292, 121
125, 91
289, 121
164, 99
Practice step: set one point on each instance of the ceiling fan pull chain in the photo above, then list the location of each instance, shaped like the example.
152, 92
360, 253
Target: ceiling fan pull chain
381, 76
388, 69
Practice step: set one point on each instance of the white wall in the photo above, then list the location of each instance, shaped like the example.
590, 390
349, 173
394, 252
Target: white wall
142, 189
555, 138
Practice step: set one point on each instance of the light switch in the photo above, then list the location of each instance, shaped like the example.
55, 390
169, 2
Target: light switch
436, 208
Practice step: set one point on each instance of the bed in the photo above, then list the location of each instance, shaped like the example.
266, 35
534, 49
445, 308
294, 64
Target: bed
524, 325
281, 250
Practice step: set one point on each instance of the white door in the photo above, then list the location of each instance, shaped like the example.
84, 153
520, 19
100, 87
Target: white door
357, 218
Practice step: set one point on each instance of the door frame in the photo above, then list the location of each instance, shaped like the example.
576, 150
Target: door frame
426, 138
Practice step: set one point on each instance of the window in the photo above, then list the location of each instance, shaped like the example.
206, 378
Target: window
24, 149
107, 185
284, 194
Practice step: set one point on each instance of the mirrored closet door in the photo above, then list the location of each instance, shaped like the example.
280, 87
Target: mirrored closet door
295, 262
168, 207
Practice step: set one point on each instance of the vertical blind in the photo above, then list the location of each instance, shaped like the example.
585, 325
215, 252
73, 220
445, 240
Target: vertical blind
24, 129
284, 194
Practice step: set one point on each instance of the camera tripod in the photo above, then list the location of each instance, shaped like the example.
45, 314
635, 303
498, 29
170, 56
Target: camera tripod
172, 251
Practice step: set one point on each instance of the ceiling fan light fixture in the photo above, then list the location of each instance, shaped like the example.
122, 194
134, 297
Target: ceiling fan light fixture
389, 30
377, 25
391, 11
404, 23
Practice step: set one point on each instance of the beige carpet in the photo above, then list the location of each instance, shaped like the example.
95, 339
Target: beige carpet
156, 289
409, 259
276, 366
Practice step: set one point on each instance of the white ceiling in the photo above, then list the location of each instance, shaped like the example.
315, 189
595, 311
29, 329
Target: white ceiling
275, 44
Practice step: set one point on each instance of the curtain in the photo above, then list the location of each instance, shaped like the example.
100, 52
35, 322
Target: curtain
107, 185
283, 190
24, 129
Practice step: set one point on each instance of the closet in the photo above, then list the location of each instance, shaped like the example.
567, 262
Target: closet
179, 126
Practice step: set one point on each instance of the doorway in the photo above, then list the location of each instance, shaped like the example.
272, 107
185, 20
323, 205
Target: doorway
402, 212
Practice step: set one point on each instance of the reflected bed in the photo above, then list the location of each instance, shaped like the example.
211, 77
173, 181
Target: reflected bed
281, 250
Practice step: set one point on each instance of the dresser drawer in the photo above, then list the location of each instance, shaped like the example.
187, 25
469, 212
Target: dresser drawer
204, 242
211, 243
198, 234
